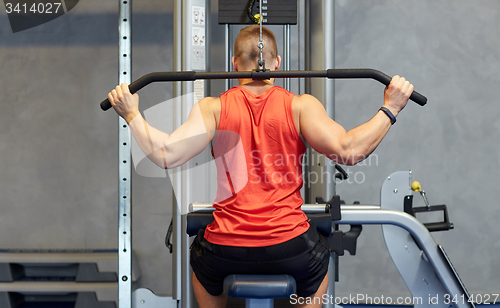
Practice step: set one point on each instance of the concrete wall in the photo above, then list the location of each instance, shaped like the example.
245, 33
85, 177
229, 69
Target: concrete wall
58, 152
58, 155
450, 51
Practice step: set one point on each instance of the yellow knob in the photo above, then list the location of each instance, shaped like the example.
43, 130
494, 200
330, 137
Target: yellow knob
415, 186
256, 18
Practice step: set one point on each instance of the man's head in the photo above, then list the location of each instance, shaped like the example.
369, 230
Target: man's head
247, 53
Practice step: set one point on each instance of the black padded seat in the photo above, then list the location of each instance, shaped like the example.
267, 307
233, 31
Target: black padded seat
259, 286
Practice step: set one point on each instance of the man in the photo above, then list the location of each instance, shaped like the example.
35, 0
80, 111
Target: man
259, 226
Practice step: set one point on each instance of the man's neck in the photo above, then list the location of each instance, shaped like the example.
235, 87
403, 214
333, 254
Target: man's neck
257, 87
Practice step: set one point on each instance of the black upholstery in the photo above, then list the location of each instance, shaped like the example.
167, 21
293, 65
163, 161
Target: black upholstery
259, 286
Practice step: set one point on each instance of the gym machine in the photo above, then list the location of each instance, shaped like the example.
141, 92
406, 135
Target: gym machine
399, 227
421, 262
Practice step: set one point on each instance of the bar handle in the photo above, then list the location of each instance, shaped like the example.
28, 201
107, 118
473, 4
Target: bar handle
373, 74
154, 77
331, 73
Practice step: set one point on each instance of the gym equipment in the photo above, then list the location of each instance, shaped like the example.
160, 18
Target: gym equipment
124, 226
435, 226
124, 168
259, 290
421, 262
62, 278
184, 63
276, 12
330, 73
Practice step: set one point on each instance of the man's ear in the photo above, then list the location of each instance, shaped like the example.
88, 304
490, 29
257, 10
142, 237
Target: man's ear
278, 63
235, 64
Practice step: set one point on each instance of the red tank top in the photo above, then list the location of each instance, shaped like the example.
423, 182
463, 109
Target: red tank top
258, 153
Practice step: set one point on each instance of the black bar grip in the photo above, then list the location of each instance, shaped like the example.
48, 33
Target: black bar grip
418, 98
105, 105
154, 77
373, 74
331, 73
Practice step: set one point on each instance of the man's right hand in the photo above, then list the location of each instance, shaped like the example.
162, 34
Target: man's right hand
397, 94
125, 103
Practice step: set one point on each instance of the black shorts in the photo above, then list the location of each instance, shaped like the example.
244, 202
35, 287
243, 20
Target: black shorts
304, 257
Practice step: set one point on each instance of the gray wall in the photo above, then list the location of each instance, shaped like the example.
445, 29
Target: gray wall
58, 150
450, 51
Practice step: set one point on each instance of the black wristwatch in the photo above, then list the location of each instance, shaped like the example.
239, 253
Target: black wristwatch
389, 114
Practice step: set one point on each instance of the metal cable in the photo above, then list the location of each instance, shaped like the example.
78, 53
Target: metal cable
261, 43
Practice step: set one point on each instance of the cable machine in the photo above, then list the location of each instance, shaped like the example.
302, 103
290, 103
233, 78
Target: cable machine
191, 64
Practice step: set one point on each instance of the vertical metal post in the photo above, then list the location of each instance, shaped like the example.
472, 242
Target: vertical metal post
193, 57
124, 167
183, 199
301, 38
286, 54
321, 23
176, 181
301, 35
228, 63
208, 36
322, 56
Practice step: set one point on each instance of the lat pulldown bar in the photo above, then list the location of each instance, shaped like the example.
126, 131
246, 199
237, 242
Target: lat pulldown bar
330, 73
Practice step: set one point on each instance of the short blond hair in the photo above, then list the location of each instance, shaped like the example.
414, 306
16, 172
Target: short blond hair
246, 50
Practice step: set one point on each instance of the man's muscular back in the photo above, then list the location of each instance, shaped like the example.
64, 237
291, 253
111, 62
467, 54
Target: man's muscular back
304, 105
321, 132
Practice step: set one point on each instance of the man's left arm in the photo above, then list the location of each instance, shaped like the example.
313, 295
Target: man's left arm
166, 151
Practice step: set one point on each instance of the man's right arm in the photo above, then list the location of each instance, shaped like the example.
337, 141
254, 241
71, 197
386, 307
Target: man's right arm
348, 148
167, 151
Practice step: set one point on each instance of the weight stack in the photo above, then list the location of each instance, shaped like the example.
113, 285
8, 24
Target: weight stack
58, 278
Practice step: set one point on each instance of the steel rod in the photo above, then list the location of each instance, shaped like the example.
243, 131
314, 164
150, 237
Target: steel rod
330, 73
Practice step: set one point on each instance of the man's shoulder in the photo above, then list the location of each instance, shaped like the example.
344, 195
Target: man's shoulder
305, 100
210, 104
209, 101
304, 97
